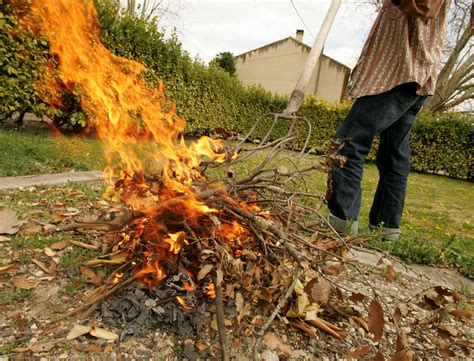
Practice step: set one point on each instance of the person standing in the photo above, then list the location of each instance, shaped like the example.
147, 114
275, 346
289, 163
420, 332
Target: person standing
396, 72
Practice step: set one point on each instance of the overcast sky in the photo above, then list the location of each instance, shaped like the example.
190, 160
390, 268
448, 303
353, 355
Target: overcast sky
209, 27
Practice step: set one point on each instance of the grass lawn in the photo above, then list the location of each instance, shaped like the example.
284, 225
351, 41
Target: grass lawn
437, 223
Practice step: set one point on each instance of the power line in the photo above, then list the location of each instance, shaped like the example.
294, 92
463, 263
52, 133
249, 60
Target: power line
298, 13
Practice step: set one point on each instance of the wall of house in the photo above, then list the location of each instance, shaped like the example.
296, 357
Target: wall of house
277, 67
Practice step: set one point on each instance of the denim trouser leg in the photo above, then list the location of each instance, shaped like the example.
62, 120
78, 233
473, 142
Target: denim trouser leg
393, 163
369, 116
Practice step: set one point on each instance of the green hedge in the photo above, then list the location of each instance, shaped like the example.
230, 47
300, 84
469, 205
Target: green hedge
208, 98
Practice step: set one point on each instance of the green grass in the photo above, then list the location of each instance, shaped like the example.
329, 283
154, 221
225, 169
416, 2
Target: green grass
5, 350
39, 152
437, 224
9, 295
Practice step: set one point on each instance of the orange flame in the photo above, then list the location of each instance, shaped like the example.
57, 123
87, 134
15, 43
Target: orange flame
120, 106
211, 291
186, 305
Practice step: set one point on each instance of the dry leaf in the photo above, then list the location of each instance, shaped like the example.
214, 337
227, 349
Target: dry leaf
451, 330
402, 342
272, 342
200, 346
31, 227
239, 301
49, 252
78, 330
304, 327
356, 297
4, 239
359, 352
104, 334
88, 347
22, 283
57, 246
462, 314
390, 274
84, 245
9, 222
214, 325
9, 267
204, 271
376, 320
404, 355
333, 268
42, 347
319, 290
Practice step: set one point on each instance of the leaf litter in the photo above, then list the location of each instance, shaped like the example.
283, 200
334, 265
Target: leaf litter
415, 308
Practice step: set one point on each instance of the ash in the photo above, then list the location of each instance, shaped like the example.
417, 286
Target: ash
137, 312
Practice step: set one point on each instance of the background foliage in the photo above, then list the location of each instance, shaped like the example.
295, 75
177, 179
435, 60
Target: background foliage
207, 97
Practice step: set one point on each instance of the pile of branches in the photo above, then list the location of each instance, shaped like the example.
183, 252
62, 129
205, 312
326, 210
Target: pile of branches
264, 246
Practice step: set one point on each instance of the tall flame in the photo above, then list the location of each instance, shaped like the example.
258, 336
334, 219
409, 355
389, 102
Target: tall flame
133, 120
119, 104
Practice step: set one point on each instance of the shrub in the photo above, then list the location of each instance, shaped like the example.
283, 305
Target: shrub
207, 97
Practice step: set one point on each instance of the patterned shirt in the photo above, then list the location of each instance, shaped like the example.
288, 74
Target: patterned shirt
404, 46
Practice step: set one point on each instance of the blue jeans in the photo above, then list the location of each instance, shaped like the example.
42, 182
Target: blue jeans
390, 115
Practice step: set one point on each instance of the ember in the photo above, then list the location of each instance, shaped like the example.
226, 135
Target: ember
247, 240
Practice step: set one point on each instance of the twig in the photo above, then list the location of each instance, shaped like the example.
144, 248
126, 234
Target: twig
96, 299
277, 309
220, 318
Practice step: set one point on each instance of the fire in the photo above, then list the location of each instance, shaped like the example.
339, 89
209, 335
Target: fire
134, 120
211, 291
186, 305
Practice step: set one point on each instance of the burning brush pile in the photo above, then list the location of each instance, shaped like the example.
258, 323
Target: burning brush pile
184, 221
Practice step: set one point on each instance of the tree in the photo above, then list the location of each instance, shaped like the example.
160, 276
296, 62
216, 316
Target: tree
455, 85
225, 61
152, 9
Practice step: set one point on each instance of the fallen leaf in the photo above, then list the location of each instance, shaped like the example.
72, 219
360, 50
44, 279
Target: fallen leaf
404, 355
78, 330
88, 347
214, 325
359, 352
319, 290
31, 227
42, 347
273, 342
49, 252
356, 297
22, 283
86, 246
107, 348
200, 346
390, 274
447, 353
10, 267
376, 319
49, 228
304, 327
104, 334
204, 271
239, 301
402, 342
21, 349
333, 268
4, 239
461, 314
451, 330
9, 222
57, 246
